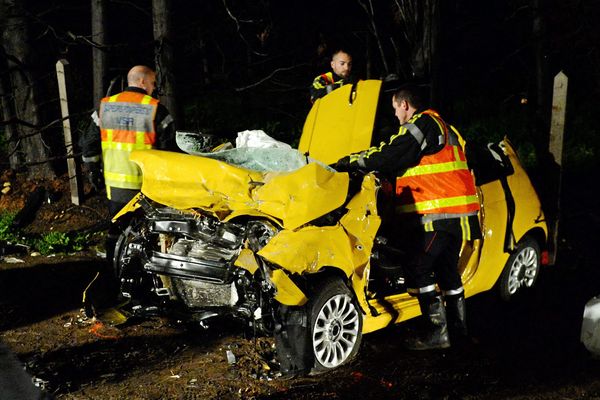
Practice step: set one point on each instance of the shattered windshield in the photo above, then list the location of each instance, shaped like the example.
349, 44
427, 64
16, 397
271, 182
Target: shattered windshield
259, 159
264, 159
254, 150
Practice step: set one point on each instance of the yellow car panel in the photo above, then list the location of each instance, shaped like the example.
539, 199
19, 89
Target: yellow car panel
329, 139
184, 181
309, 249
247, 261
131, 206
528, 217
346, 246
390, 310
287, 291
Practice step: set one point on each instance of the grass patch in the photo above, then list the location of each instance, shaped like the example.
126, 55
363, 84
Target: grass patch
47, 243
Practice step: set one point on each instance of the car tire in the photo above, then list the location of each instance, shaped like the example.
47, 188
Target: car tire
118, 253
128, 268
521, 269
335, 325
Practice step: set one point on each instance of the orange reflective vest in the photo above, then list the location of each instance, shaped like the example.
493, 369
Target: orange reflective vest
441, 183
126, 124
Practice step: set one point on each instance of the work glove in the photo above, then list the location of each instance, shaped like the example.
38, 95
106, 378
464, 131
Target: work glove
95, 175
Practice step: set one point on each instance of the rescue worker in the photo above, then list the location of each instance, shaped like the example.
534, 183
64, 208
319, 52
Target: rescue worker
128, 121
341, 68
436, 209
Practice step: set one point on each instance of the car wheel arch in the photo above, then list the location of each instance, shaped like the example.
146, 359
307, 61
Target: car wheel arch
333, 303
296, 355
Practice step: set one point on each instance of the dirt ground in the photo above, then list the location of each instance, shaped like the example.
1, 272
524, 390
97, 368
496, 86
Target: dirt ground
526, 349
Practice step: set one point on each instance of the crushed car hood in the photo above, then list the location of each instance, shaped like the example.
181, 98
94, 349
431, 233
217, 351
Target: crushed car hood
292, 198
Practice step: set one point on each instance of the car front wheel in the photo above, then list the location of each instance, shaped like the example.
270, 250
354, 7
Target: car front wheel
521, 269
335, 325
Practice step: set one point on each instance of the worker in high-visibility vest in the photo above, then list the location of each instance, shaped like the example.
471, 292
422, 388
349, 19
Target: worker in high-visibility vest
128, 121
341, 68
436, 209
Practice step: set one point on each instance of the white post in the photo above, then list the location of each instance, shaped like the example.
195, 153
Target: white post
62, 68
557, 130
557, 127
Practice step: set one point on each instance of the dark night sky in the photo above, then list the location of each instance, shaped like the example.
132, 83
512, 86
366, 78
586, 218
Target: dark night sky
488, 56
485, 43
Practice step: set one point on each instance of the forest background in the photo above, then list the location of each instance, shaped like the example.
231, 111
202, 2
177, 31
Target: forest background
230, 65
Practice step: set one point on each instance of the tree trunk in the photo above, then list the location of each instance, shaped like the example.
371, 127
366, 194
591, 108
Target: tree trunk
367, 5
99, 56
432, 29
20, 85
419, 21
542, 109
164, 55
6, 112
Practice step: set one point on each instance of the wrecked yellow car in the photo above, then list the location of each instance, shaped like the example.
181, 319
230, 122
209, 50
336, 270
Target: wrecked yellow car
280, 240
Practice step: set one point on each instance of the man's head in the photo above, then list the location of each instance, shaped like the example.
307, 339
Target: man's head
142, 77
407, 101
341, 64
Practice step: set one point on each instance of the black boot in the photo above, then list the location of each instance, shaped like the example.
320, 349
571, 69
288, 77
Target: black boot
457, 320
457, 315
436, 334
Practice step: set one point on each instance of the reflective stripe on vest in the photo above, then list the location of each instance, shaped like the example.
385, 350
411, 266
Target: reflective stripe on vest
441, 183
325, 79
126, 124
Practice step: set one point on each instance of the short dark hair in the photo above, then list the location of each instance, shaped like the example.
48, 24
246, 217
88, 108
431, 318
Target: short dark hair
412, 94
340, 50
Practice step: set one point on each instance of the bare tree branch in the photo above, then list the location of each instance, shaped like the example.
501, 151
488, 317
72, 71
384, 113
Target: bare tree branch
238, 28
371, 14
32, 163
240, 89
132, 4
38, 128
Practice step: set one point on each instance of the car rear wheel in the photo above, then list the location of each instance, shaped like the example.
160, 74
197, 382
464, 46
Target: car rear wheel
335, 325
521, 269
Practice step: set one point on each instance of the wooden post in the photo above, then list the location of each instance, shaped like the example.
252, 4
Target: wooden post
557, 127
557, 130
62, 70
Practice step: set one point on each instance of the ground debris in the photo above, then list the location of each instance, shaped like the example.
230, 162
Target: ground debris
529, 349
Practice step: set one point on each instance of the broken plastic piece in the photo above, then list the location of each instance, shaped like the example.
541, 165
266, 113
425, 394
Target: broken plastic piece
12, 260
230, 357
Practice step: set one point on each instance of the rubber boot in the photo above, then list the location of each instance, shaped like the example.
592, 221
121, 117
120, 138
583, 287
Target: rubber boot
457, 320
457, 316
435, 335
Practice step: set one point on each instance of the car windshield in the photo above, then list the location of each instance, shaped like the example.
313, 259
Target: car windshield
263, 159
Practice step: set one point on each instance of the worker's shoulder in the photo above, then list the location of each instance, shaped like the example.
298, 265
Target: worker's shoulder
324, 77
425, 121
